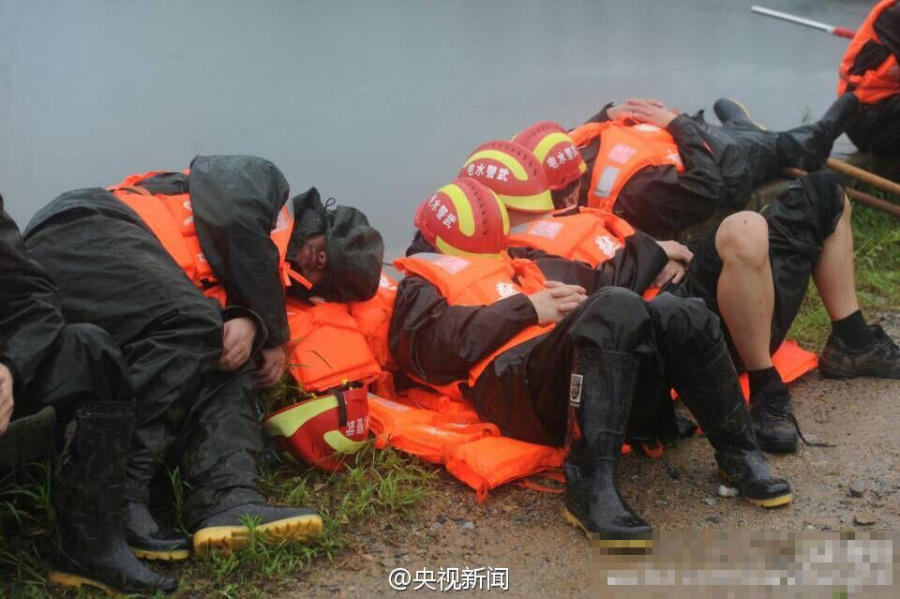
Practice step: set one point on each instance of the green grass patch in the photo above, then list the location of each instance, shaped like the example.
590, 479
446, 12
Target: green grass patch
380, 486
876, 245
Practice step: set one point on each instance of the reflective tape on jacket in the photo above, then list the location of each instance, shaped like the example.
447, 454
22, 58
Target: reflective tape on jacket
171, 218
624, 149
479, 281
327, 348
876, 84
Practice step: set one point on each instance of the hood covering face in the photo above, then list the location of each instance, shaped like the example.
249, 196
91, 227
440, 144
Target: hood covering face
355, 250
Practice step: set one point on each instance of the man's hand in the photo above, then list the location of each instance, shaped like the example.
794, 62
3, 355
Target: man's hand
272, 368
6, 397
556, 300
676, 251
673, 271
627, 110
649, 111
237, 342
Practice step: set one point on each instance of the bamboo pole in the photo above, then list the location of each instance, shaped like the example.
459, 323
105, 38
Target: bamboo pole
863, 175
853, 194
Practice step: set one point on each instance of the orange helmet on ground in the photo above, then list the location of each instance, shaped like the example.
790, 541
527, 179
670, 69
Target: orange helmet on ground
464, 217
556, 151
324, 430
513, 173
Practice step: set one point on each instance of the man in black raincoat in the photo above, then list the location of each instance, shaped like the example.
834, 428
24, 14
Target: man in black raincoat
79, 370
722, 165
573, 384
189, 359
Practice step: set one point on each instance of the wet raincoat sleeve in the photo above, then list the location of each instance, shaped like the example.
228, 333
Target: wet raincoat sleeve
440, 343
634, 266
30, 316
887, 26
236, 201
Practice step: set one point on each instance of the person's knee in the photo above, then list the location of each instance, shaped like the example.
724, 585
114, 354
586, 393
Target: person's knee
684, 326
613, 317
743, 238
98, 358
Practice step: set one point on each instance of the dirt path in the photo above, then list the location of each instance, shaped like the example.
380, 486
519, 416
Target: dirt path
522, 530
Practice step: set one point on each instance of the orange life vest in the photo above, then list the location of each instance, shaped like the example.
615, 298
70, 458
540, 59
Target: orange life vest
875, 84
171, 218
624, 150
479, 281
327, 348
374, 319
591, 235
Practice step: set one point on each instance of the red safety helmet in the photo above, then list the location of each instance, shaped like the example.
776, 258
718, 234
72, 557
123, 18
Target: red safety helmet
513, 173
464, 217
324, 430
556, 151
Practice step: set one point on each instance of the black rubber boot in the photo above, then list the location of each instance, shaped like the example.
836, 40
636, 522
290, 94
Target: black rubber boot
733, 114
881, 358
600, 395
228, 530
709, 388
149, 540
87, 499
808, 146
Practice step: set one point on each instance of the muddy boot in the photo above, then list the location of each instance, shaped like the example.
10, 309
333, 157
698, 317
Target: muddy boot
87, 499
808, 146
709, 388
600, 394
228, 530
733, 114
149, 540
881, 358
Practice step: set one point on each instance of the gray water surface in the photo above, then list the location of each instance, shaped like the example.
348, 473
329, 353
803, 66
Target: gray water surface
374, 102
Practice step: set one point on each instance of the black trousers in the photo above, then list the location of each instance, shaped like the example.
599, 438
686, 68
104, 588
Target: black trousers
877, 128
525, 390
115, 274
800, 219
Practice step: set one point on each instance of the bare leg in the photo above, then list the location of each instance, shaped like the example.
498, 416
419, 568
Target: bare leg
834, 273
745, 291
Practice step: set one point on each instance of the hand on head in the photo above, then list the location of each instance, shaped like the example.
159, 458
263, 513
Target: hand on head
645, 110
6, 397
556, 300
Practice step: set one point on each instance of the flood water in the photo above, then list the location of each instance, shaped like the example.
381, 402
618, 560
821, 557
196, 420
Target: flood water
374, 102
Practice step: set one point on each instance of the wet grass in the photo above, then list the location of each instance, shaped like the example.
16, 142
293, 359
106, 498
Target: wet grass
377, 485
876, 243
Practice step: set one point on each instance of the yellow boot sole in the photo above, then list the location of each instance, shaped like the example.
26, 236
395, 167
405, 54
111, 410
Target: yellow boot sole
598, 540
227, 538
766, 503
176, 555
74, 581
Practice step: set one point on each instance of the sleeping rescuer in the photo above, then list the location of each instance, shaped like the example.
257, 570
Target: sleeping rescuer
554, 363
662, 171
752, 271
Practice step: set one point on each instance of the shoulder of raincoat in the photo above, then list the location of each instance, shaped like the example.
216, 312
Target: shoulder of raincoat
355, 250
236, 201
887, 26
30, 314
435, 341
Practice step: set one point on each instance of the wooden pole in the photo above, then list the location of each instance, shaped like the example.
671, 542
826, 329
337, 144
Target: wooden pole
853, 194
863, 175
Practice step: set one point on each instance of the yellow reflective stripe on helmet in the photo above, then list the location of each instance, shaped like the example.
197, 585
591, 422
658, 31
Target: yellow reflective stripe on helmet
465, 218
340, 443
504, 215
289, 422
445, 248
540, 202
503, 158
543, 148
582, 168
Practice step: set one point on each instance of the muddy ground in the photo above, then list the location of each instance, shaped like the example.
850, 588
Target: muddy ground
835, 488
